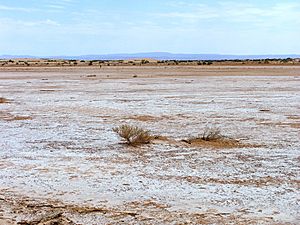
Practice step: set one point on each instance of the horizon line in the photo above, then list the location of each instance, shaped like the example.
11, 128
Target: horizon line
158, 52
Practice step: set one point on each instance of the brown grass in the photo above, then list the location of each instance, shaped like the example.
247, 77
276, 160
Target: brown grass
133, 135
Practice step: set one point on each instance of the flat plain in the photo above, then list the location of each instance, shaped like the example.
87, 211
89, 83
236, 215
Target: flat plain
60, 161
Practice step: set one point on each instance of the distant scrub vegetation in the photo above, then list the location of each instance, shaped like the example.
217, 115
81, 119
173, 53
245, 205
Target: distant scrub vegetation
144, 62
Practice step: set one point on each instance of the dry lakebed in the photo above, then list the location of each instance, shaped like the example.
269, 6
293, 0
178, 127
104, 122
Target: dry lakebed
61, 162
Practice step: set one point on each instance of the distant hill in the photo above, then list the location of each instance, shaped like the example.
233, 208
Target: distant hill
156, 55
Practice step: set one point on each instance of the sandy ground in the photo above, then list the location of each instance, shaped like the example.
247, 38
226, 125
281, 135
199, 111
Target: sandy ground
61, 163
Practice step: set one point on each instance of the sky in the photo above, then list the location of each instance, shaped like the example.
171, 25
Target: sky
80, 27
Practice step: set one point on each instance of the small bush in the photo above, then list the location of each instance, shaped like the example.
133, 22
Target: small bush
144, 61
133, 135
211, 134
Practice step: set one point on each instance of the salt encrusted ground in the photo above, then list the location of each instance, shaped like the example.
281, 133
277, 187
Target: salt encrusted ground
60, 160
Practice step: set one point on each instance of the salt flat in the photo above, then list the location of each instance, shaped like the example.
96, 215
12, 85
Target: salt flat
61, 161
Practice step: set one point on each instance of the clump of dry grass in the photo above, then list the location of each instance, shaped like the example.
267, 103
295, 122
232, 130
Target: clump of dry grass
212, 137
4, 100
133, 135
211, 134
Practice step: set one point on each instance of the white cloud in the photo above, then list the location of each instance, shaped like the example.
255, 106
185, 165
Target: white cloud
230, 11
55, 6
20, 9
197, 15
58, 5
5, 22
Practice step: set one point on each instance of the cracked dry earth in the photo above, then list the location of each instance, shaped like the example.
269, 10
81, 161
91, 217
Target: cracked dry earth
61, 163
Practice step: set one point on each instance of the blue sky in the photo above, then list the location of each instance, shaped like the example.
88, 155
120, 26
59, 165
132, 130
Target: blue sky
76, 27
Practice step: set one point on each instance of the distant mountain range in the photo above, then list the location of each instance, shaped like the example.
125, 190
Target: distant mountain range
156, 55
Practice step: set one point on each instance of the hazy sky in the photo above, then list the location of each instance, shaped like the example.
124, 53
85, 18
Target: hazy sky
75, 27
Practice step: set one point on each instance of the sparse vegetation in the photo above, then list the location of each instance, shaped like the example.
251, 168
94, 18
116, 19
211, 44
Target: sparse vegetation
144, 61
133, 135
211, 134
212, 137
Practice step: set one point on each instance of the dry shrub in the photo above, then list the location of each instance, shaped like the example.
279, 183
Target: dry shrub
211, 134
212, 138
133, 135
